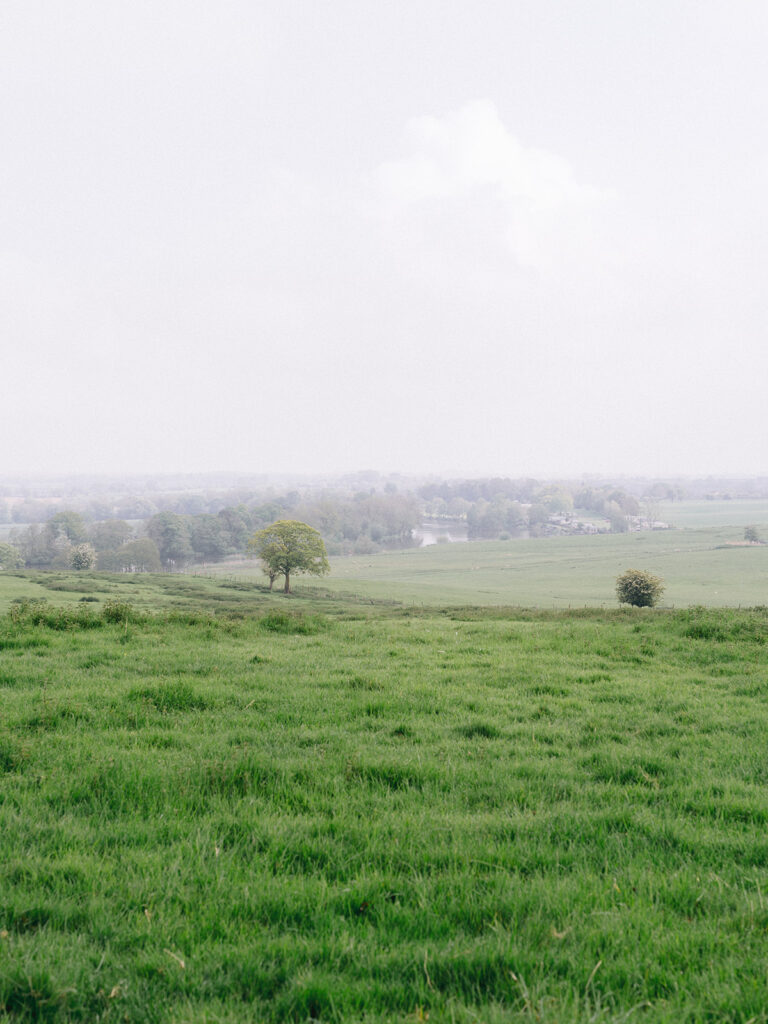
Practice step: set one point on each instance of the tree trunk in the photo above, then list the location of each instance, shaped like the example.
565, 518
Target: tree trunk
287, 588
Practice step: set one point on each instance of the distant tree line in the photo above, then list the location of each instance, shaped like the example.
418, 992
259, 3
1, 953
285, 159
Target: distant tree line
134, 533
499, 508
362, 523
167, 540
129, 507
487, 489
100, 498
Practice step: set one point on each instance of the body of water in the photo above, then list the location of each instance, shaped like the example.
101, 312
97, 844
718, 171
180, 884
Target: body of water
440, 531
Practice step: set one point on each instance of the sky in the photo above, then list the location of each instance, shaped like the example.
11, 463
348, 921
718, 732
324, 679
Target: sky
515, 237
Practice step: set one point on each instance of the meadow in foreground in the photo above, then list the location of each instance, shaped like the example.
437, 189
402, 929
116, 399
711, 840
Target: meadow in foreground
471, 815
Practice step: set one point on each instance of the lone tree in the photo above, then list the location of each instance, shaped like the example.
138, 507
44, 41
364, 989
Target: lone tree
751, 535
82, 556
289, 546
639, 588
10, 557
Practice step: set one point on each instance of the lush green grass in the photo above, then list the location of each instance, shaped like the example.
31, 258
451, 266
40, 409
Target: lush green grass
556, 572
379, 815
145, 591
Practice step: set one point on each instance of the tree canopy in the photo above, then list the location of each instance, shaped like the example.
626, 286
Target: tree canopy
289, 546
82, 556
10, 557
171, 534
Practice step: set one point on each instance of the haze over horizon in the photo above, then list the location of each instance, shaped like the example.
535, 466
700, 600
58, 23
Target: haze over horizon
520, 238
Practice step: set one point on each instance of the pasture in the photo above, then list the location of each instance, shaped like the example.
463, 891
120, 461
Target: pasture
737, 512
300, 810
698, 565
145, 592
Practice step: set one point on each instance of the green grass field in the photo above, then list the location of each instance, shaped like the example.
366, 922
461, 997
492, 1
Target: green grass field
554, 572
145, 592
297, 810
739, 512
558, 572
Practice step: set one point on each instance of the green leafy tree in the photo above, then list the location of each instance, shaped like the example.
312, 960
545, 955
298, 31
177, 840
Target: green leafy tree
111, 534
10, 557
289, 546
171, 534
751, 535
135, 556
82, 556
537, 519
639, 588
67, 525
556, 500
207, 538
139, 556
236, 527
616, 517
34, 546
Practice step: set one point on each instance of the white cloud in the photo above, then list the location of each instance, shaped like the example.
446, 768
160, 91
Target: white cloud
467, 173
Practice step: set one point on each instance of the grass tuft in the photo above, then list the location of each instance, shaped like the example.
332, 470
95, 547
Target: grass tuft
479, 730
30, 996
296, 623
177, 696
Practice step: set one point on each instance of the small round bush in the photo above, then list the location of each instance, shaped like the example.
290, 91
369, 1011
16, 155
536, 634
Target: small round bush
82, 557
116, 611
639, 588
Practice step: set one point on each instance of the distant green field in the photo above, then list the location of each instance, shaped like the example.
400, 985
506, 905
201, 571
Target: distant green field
740, 512
556, 572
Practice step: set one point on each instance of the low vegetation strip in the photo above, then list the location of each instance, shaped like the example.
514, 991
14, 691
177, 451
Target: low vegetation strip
383, 815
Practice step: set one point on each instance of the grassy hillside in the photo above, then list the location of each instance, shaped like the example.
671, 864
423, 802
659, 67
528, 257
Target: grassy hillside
382, 815
146, 592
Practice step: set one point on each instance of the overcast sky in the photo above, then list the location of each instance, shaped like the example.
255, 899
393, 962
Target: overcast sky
505, 236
